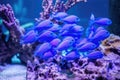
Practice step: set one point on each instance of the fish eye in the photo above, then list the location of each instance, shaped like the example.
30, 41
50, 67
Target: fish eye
78, 19
81, 28
51, 23
109, 22
52, 34
107, 32
94, 46
71, 42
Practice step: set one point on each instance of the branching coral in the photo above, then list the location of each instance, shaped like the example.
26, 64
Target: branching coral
12, 46
50, 7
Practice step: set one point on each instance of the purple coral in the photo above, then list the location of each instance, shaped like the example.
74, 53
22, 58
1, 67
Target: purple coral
59, 6
12, 46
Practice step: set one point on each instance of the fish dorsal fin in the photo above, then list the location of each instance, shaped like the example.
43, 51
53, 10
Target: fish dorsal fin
92, 17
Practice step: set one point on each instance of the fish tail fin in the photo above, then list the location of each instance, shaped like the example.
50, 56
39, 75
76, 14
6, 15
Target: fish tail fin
91, 23
92, 19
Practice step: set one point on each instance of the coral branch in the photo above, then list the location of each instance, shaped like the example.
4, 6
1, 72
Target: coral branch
60, 6
10, 21
71, 3
12, 46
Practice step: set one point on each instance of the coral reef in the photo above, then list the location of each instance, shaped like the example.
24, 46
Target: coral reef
12, 46
56, 48
49, 7
111, 44
101, 69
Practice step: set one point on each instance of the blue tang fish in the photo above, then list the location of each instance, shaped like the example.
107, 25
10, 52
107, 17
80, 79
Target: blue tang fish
60, 15
69, 38
65, 44
49, 54
87, 46
55, 28
99, 29
95, 55
103, 21
68, 33
30, 37
55, 42
101, 35
90, 36
41, 49
66, 27
100, 21
46, 24
97, 33
47, 36
76, 28
71, 19
72, 55
81, 42
90, 31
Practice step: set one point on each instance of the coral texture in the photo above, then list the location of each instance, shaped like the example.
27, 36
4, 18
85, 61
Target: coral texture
111, 44
59, 6
12, 46
106, 68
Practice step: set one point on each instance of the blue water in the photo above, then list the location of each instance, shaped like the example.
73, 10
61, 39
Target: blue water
83, 10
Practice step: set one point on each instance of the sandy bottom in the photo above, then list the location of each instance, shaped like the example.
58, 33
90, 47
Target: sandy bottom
13, 72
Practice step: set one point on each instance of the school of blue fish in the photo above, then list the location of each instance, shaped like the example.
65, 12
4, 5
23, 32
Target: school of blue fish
70, 39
